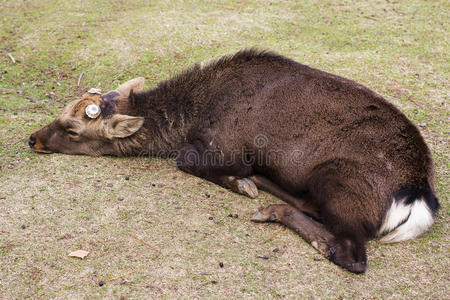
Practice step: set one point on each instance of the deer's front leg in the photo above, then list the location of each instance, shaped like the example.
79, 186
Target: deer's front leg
216, 167
243, 186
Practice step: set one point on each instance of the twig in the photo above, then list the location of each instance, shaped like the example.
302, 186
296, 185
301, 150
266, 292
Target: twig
370, 18
76, 182
121, 276
208, 282
274, 235
12, 58
79, 78
142, 241
50, 178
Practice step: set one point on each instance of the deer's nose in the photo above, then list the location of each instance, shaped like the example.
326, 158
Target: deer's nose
31, 142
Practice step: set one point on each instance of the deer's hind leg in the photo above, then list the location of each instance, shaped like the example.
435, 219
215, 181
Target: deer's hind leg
339, 251
267, 185
347, 208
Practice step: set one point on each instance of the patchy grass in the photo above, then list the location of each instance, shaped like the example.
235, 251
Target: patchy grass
53, 204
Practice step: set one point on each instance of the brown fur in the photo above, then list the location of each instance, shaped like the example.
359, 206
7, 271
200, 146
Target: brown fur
356, 149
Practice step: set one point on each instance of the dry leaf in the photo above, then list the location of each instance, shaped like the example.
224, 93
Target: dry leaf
79, 253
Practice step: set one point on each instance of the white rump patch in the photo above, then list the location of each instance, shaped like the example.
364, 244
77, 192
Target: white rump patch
405, 221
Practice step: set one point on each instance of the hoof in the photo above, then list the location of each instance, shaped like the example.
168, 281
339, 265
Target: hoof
261, 217
246, 187
357, 268
349, 254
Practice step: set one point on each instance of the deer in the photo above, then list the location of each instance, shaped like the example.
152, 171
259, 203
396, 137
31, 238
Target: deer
348, 164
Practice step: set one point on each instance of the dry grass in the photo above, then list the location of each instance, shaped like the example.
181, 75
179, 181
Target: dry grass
67, 203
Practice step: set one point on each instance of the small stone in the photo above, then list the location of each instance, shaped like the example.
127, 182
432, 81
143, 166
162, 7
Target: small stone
216, 222
153, 184
235, 216
95, 230
11, 167
127, 178
147, 185
109, 185
230, 215
275, 250
23, 226
434, 244
210, 218
221, 264
213, 281
317, 259
175, 202
422, 124
262, 256
120, 199
101, 283
207, 195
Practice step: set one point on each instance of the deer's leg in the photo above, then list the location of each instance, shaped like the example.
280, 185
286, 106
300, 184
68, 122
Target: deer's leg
265, 184
217, 168
243, 186
343, 252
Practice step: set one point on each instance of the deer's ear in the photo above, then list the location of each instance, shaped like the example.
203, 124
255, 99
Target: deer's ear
136, 85
122, 126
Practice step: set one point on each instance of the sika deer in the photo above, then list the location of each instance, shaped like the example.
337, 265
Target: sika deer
326, 145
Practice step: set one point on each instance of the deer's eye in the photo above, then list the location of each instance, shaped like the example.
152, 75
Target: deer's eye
72, 133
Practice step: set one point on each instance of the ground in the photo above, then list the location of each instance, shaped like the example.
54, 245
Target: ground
51, 205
